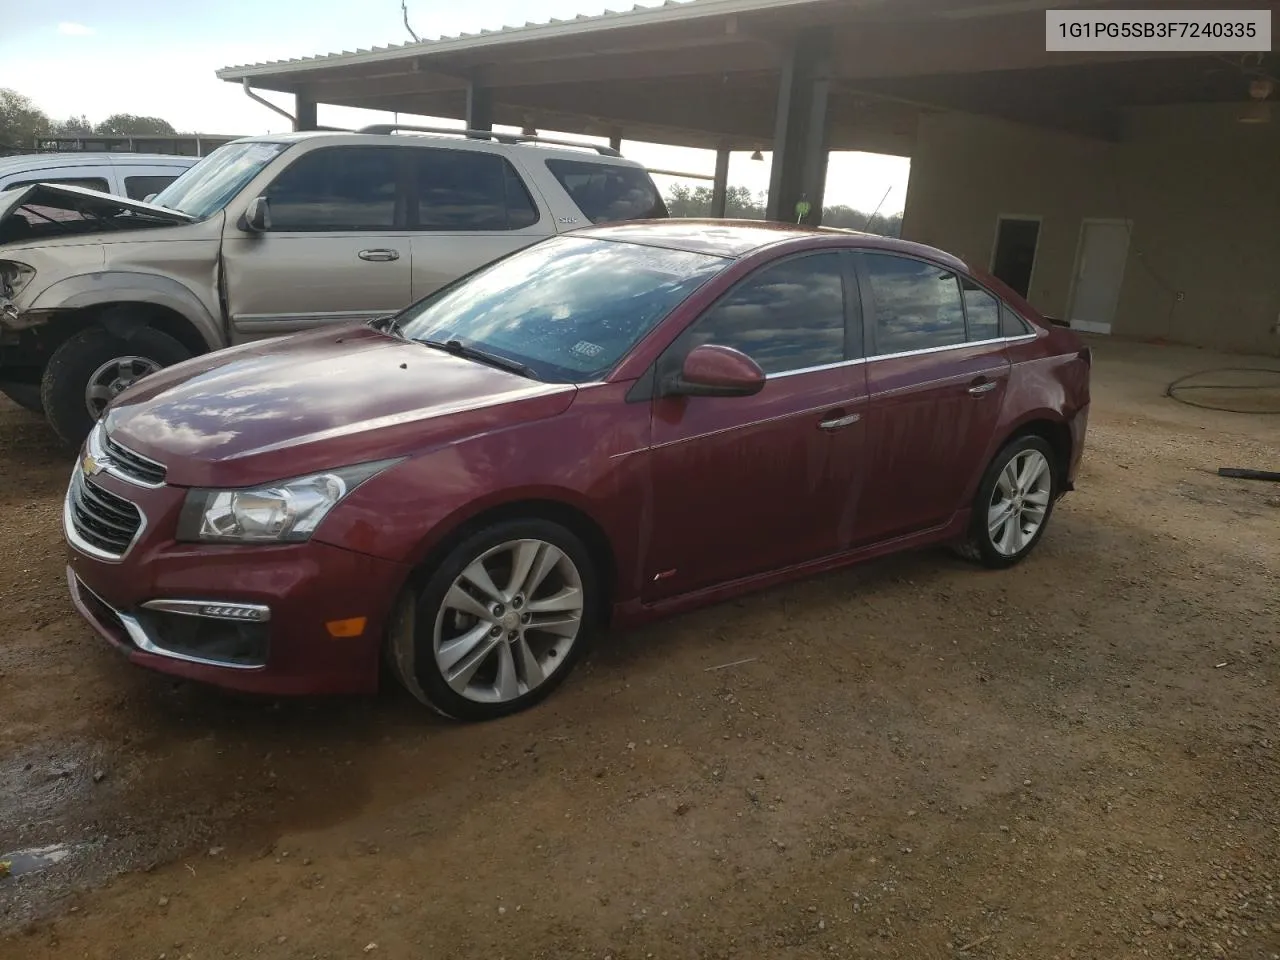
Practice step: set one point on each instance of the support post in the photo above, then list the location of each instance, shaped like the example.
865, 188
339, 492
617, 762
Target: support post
479, 107
304, 112
615, 140
720, 185
800, 131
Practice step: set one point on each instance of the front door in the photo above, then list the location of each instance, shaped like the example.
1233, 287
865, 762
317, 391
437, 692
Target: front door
743, 485
1100, 263
936, 378
337, 248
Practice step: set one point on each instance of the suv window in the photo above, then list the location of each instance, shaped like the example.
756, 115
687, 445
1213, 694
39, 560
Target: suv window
982, 310
336, 189
142, 186
470, 190
89, 183
917, 304
786, 316
607, 192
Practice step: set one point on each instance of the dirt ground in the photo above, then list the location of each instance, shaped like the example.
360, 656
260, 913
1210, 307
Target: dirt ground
1075, 758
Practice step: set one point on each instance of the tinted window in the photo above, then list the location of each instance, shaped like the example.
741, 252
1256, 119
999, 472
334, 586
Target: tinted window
569, 308
336, 188
89, 183
1012, 325
983, 311
139, 188
607, 192
787, 316
917, 304
470, 190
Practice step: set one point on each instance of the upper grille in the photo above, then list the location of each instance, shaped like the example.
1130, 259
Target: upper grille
100, 518
132, 465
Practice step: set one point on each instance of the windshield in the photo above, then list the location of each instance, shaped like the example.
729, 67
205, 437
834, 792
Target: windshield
207, 187
567, 308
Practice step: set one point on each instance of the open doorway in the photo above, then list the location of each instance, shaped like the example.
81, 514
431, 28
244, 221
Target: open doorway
1014, 258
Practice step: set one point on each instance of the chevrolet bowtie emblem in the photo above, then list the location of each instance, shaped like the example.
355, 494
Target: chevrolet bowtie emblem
92, 466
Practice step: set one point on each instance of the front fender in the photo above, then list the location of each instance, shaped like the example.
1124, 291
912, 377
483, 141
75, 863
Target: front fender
120, 286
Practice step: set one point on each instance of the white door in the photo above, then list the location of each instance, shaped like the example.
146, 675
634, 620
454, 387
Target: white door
1100, 262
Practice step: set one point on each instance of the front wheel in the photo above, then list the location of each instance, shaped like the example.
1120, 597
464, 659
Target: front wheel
1014, 502
90, 369
500, 623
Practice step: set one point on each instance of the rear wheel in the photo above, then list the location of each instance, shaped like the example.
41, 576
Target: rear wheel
25, 395
1014, 502
500, 623
90, 369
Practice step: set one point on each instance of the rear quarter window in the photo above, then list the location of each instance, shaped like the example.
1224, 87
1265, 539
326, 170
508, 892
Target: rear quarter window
607, 192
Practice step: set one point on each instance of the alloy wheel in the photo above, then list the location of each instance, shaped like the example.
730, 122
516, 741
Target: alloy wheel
113, 378
1019, 502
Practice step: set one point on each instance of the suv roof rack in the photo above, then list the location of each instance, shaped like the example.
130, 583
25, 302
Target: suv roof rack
387, 128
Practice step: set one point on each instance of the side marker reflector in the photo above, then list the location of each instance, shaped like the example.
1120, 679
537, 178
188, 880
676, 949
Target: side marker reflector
346, 628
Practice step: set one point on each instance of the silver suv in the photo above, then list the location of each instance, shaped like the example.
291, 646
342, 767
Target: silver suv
270, 235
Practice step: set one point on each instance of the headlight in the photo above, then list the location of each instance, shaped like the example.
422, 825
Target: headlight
284, 512
13, 277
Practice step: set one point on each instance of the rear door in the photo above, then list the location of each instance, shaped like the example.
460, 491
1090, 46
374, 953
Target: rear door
744, 485
936, 377
466, 208
337, 248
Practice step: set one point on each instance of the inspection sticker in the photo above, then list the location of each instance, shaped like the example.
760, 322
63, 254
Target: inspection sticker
1161, 31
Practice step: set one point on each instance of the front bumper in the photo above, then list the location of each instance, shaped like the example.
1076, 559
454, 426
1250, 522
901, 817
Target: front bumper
251, 618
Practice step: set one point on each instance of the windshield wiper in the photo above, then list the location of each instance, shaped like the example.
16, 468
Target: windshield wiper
388, 324
460, 349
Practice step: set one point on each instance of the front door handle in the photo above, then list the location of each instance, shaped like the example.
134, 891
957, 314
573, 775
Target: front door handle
837, 422
982, 387
379, 256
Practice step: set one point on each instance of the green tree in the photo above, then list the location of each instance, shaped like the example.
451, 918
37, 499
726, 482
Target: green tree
21, 121
128, 125
740, 204
73, 127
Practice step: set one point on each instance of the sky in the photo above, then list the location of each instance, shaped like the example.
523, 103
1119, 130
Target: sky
158, 57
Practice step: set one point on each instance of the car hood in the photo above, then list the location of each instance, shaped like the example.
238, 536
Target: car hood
77, 200
295, 405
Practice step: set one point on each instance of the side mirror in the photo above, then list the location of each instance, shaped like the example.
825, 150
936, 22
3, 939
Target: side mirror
258, 217
712, 370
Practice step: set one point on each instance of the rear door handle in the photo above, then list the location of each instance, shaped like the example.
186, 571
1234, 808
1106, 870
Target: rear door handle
379, 255
982, 387
837, 422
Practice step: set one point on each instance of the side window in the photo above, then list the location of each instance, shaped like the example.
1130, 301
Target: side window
89, 183
917, 304
1012, 325
469, 190
336, 189
142, 186
609, 192
983, 311
787, 316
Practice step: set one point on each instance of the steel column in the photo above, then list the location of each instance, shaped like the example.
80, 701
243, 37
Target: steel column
800, 131
720, 185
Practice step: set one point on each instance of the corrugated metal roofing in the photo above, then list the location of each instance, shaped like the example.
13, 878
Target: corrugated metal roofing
670, 10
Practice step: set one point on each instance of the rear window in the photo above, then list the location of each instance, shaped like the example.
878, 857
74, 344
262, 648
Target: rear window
607, 192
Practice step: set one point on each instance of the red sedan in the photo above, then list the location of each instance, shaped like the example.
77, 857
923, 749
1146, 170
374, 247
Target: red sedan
609, 426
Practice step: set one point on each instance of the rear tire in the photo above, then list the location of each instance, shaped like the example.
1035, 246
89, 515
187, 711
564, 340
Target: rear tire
87, 357
1013, 505
25, 395
500, 623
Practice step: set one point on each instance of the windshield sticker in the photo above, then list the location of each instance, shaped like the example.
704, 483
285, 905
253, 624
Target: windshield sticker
584, 348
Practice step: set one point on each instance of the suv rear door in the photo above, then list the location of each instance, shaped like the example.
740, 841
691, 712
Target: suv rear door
336, 248
466, 208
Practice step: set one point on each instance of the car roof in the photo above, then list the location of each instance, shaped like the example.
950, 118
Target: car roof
739, 238
51, 161
418, 139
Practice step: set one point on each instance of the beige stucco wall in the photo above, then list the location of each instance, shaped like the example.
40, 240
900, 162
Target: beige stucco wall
1201, 190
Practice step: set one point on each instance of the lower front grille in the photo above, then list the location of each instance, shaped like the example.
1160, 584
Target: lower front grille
101, 519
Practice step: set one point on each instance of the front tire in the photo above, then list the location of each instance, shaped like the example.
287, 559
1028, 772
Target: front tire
500, 623
88, 370
1014, 503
